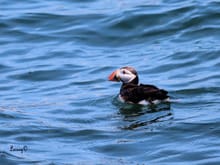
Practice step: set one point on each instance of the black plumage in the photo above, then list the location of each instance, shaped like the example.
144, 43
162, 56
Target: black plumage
135, 93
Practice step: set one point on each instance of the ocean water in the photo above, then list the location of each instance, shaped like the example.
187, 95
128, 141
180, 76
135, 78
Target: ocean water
57, 106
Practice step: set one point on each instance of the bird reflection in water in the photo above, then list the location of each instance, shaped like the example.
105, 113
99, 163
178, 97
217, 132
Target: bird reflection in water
135, 116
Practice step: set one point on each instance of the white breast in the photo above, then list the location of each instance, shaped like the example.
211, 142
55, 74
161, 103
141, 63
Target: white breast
120, 98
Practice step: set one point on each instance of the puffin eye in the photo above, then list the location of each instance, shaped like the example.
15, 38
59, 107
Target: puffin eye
123, 72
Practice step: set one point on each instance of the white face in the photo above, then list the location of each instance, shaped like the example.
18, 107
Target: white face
125, 75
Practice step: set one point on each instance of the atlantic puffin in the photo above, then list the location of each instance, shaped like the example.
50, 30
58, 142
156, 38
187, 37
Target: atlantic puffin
133, 92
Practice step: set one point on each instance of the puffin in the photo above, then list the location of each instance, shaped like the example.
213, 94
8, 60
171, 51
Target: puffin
133, 92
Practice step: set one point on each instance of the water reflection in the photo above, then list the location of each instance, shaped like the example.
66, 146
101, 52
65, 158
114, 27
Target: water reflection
135, 116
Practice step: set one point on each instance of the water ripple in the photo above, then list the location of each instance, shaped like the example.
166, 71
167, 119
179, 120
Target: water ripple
56, 100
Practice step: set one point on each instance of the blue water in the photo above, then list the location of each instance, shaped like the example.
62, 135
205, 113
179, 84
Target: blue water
57, 106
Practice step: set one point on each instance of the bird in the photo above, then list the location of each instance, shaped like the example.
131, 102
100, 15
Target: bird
133, 92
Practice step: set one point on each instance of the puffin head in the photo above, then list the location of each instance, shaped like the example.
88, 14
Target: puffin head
125, 74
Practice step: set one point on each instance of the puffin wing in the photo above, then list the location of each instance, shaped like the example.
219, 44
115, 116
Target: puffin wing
136, 93
151, 92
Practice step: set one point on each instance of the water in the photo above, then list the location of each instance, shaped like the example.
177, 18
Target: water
57, 106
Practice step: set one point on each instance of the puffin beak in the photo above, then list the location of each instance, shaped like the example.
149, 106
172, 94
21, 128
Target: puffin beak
113, 76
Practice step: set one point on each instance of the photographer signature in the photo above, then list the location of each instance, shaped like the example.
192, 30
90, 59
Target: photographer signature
17, 149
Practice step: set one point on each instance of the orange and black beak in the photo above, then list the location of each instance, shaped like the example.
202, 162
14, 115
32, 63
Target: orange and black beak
113, 76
